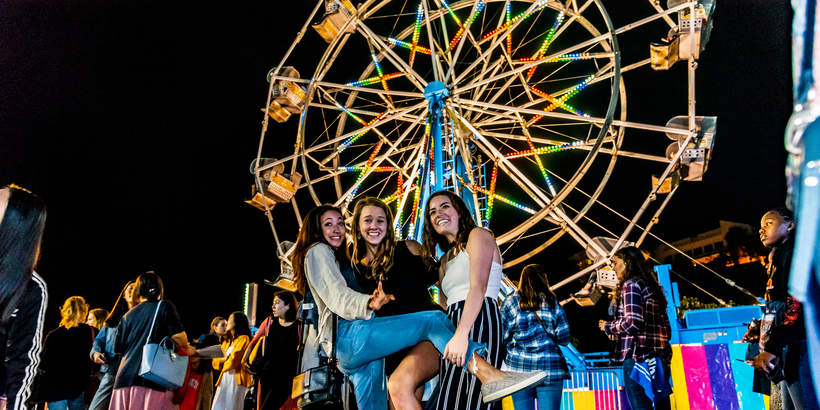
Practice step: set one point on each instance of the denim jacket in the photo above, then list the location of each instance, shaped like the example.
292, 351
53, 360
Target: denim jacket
331, 293
104, 343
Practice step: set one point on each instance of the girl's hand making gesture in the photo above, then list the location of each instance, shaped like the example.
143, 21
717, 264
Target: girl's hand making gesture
379, 298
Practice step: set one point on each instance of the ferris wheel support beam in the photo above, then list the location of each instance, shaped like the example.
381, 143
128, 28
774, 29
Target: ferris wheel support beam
657, 215
331, 86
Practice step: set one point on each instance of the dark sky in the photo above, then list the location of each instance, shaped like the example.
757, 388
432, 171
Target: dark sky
136, 121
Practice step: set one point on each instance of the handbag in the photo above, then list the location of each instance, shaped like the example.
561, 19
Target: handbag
160, 363
257, 361
321, 386
576, 360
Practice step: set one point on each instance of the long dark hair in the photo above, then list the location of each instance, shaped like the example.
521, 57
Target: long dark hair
534, 288
311, 233
430, 238
383, 260
289, 299
120, 307
241, 326
149, 286
637, 267
21, 231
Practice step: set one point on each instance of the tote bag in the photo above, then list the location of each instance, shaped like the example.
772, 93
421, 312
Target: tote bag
160, 363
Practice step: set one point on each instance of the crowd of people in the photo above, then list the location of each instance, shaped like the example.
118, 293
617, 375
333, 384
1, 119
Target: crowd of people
365, 306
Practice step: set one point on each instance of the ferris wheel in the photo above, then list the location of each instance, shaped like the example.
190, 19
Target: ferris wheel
519, 106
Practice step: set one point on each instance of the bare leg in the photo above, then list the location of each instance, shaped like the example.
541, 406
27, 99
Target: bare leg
483, 370
419, 366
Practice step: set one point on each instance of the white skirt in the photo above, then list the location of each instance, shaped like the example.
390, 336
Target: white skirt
229, 395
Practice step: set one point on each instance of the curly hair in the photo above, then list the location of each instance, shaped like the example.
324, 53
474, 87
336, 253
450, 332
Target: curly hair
430, 238
73, 312
383, 260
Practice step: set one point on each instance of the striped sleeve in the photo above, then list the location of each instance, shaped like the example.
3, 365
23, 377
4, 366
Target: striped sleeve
25, 342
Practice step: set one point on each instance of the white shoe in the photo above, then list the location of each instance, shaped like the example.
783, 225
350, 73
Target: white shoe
512, 382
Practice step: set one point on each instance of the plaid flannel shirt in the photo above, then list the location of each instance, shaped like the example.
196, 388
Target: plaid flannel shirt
641, 327
528, 346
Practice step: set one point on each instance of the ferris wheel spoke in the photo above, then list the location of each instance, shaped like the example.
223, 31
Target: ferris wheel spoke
463, 33
397, 61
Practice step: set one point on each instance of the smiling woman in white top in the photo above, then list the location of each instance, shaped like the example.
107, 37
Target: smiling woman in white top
470, 276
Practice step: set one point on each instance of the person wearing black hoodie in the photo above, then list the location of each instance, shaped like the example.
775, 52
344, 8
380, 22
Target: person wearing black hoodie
782, 339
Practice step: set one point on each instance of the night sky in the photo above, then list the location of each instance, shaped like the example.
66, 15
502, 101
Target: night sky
136, 122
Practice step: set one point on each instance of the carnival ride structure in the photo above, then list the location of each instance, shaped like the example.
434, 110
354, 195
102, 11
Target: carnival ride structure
518, 106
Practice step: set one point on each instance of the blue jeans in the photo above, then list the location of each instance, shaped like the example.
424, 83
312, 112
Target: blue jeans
362, 345
548, 396
102, 398
77, 403
638, 400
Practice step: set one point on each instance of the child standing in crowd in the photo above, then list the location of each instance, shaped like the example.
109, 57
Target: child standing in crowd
234, 380
65, 369
378, 258
102, 351
782, 337
23, 294
130, 390
363, 340
640, 327
281, 332
471, 275
534, 325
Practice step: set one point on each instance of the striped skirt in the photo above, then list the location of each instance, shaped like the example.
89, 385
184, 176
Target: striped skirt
458, 389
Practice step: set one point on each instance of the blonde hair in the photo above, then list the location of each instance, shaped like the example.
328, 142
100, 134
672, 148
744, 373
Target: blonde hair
74, 311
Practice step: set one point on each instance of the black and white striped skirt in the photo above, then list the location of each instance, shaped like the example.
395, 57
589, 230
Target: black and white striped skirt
458, 389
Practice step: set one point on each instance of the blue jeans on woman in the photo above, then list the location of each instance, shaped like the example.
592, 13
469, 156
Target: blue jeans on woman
77, 403
362, 345
548, 396
638, 400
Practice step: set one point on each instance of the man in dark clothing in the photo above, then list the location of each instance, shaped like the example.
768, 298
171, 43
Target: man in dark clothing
782, 337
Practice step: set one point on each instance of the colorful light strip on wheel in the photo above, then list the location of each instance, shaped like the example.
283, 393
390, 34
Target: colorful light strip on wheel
559, 102
479, 7
508, 12
367, 166
538, 162
399, 210
484, 191
348, 142
488, 213
419, 182
374, 80
416, 34
374, 169
520, 17
545, 150
409, 46
560, 58
452, 14
546, 44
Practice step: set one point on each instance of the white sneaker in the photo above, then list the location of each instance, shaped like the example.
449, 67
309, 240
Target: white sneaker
512, 382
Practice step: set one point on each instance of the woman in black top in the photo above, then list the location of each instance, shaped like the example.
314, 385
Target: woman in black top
131, 390
23, 294
378, 257
66, 368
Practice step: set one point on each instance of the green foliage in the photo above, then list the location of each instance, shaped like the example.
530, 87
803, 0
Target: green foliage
693, 303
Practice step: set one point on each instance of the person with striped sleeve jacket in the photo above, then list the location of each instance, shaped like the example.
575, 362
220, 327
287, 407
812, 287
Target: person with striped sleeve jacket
23, 294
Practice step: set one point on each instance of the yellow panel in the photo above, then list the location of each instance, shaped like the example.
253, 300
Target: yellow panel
680, 396
507, 403
766, 401
583, 400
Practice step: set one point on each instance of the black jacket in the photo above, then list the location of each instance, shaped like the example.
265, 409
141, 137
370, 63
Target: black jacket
21, 340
